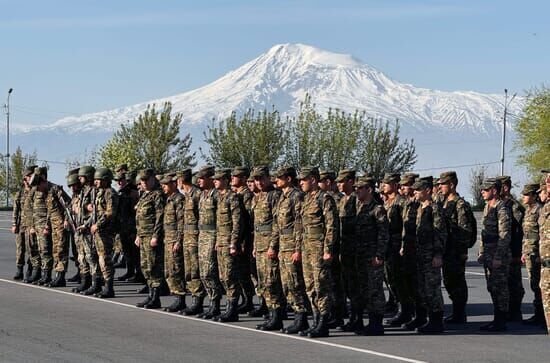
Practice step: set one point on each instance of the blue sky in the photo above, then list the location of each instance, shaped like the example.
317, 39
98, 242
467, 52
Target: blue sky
73, 57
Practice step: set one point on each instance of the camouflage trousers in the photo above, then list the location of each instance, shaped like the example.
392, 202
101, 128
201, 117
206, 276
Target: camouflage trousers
350, 276
73, 248
292, 280
20, 249
45, 250
151, 260
87, 254
174, 268
338, 293
371, 285
429, 284
104, 247
454, 278
208, 265
248, 275
191, 264
228, 267
269, 280
60, 249
533, 271
396, 272
545, 292
515, 284
32, 250
317, 277
497, 282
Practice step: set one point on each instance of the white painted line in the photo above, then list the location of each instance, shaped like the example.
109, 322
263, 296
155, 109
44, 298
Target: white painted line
482, 274
156, 311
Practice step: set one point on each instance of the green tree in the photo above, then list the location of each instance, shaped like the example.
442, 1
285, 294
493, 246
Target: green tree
252, 139
532, 131
477, 176
151, 141
18, 163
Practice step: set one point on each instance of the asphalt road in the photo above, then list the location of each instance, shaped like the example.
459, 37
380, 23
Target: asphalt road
54, 325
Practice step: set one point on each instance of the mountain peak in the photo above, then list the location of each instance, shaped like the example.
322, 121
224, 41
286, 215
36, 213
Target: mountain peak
308, 54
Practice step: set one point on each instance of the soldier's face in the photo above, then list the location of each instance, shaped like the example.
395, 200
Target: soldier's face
487, 194
324, 185
528, 198
444, 189
307, 184
220, 183
251, 185
543, 196
122, 183
262, 182
237, 181
97, 183
422, 195
82, 180
282, 182
361, 193
75, 188
547, 180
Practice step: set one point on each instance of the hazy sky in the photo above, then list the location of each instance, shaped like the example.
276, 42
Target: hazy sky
73, 57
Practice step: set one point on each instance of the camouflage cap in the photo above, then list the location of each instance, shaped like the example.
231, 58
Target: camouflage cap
409, 179
185, 173
145, 174
345, 174
29, 170
222, 174
491, 183
505, 179
87, 171
40, 174
448, 177
365, 181
250, 178
73, 171
309, 171
391, 178
545, 171
285, 171
530, 189
327, 174
423, 183
240, 171
259, 171
168, 178
121, 168
435, 182
72, 179
206, 171
103, 174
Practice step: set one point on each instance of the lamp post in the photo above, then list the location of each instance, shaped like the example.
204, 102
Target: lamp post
7, 106
502, 151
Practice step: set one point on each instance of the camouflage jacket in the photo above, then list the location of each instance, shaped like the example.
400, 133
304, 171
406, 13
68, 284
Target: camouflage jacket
320, 221
347, 212
544, 227
247, 198
191, 211
229, 220
51, 203
517, 220
459, 229
531, 230
208, 203
431, 231
263, 211
84, 217
288, 221
174, 218
150, 213
394, 209
106, 208
410, 209
17, 207
496, 232
126, 215
372, 229
337, 196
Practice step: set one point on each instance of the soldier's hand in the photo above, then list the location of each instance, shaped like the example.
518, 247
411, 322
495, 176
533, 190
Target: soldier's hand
176, 247
401, 251
46, 231
481, 259
154, 242
254, 252
523, 259
14, 229
33, 231
65, 225
137, 242
296, 257
497, 263
232, 251
90, 208
93, 228
271, 253
437, 262
327, 257
377, 262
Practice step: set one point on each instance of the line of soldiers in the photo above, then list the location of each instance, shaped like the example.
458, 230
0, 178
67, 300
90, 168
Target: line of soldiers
308, 242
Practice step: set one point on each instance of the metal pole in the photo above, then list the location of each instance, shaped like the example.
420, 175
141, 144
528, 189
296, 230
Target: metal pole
8, 149
503, 133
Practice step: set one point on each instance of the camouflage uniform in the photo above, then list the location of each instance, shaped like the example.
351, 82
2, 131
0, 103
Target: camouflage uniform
40, 222
544, 250
20, 247
106, 207
248, 276
89, 255
31, 243
56, 218
126, 215
173, 226
348, 249
83, 266
531, 238
191, 243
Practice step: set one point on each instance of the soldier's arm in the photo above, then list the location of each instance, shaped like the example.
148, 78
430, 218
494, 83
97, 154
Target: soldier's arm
275, 230
440, 230
530, 243
105, 216
159, 210
274, 240
16, 218
383, 231
409, 225
330, 213
298, 226
504, 216
463, 228
180, 219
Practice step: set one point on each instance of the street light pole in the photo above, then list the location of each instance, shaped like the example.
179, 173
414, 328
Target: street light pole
8, 149
502, 151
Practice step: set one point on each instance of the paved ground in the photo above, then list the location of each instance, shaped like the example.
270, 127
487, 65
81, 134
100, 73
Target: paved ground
47, 325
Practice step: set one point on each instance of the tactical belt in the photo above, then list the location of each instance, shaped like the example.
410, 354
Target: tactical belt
286, 231
190, 227
314, 230
545, 263
263, 228
207, 227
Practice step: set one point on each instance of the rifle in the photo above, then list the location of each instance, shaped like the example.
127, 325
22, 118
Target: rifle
68, 212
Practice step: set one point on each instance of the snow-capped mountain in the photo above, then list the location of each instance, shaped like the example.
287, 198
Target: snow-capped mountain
466, 124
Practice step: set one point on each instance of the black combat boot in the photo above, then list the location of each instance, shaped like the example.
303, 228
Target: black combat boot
514, 314
419, 319
85, 283
276, 321
59, 280
321, 330
260, 311
336, 319
28, 274
146, 301
350, 325
164, 290
18, 273
247, 305
196, 306
304, 333
434, 325
36, 275
537, 318
45, 279
459, 314
130, 271
177, 305
300, 324
374, 327
143, 290
404, 315
107, 291
75, 278
213, 310
498, 324
95, 287
231, 314
154, 302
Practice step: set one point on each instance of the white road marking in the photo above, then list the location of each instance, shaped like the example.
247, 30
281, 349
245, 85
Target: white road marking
307, 340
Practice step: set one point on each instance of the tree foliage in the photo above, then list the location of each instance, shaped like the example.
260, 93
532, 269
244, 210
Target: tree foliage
151, 141
18, 163
477, 176
532, 131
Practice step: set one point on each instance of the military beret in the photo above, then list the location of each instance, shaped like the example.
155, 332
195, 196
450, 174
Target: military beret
168, 178
308, 171
391, 178
505, 179
365, 181
121, 168
448, 177
327, 174
72, 179
240, 171
345, 174
206, 171
29, 170
423, 183
491, 183
87, 171
530, 189
408, 178
222, 173
285, 171
145, 174
260, 170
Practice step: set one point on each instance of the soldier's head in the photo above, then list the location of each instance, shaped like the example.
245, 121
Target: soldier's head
506, 183
221, 179
73, 183
406, 183
40, 178
326, 180
542, 192
490, 189
27, 174
546, 173
390, 183
251, 184
529, 193
309, 179
184, 178
204, 177
147, 179
86, 174
364, 188
168, 183
262, 180
447, 183
121, 179
345, 180
121, 168
423, 188
435, 186
285, 177
239, 174
103, 177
